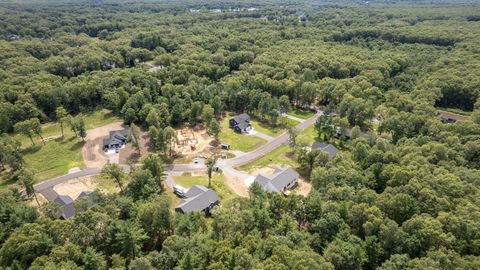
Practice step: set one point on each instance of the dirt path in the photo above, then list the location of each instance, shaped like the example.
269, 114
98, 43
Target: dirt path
236, 185
93, 155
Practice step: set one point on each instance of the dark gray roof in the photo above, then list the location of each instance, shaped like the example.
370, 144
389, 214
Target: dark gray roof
242, 118
116, 137
195, 190
197, 198
49, 194
66, 204
243, 125
326, 147
63, 200
278, 180
68, 211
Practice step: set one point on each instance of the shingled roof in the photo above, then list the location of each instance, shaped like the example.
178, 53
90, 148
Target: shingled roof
66, 203
116, 137
198, 198
242, 118
326, 147
278, 181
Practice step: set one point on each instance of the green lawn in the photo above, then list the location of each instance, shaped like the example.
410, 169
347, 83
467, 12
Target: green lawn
301, 113
309, 135
267, 129
107, 184
92, 120
280, 156
237, 141
218, 184
55, 157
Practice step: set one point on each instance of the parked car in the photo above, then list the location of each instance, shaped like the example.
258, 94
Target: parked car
195, 160
179, 190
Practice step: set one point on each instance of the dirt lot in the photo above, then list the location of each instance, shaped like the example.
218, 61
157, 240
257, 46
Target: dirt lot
303, 188
129, 153
93, 155
200, 139
236, 185
74, 187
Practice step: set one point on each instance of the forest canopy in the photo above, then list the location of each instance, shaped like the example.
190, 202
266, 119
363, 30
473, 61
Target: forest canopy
403, 194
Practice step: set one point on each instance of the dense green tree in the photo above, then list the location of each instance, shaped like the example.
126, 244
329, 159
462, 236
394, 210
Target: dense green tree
115, 172
62, 117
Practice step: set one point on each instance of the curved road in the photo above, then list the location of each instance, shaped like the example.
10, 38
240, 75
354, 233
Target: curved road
236, 161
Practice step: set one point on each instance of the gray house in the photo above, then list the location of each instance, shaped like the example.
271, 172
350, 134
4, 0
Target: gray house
326, 147
66, 203
198, 198
116, 139
241, 123
281, 180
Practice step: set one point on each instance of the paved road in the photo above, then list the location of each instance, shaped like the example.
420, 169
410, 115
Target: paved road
232, 162
61, 179
295, 118
237, 161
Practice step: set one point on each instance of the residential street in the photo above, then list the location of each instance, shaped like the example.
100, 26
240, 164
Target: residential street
232, 162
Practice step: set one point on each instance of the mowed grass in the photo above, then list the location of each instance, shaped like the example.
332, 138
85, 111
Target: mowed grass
267, 129
282, 156
301, 113
218, 184
55, 157
237, 141
308, 135
93, 119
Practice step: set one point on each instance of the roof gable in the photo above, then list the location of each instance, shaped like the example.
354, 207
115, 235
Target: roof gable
198, 198
242, 118
326, 147
280, 179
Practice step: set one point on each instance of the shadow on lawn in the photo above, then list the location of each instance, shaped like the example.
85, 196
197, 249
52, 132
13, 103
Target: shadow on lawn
32, 149
77, 146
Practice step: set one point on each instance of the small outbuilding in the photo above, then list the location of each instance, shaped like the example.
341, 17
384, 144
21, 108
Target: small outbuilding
198, 198
241, 123
280, 181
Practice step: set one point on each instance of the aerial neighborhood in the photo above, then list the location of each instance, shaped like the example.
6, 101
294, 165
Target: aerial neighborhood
253, 134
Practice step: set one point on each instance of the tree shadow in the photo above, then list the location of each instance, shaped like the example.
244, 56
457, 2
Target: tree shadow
32, 149
77, 146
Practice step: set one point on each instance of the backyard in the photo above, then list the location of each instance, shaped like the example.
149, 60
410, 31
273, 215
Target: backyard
55, 157
58, 155
237, 141
187, 180
52, 130
266, 128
